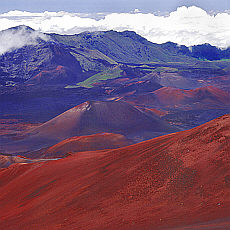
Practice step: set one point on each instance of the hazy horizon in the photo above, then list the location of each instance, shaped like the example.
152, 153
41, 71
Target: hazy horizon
184, 26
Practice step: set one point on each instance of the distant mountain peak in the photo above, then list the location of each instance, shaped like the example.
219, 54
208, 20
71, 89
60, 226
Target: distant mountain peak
21, 27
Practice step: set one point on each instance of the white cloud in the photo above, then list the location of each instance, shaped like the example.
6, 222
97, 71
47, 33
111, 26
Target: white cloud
15, 39
136, 11
185, 26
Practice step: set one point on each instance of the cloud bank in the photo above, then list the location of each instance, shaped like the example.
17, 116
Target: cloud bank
15, 39
185, 26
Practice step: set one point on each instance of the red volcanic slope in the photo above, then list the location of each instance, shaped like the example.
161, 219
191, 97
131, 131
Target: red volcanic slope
172, 96
87, 143
90, 118
58, 75
101, 116
6, 161
159, 113
175, 180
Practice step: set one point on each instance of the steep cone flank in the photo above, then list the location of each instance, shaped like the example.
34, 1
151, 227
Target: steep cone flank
85, 143
174, 180
90, 118
95, 117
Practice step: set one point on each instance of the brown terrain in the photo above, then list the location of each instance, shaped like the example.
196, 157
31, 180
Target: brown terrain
91, 118
205, 97
57, 75
7, 160
93, 142
170, 182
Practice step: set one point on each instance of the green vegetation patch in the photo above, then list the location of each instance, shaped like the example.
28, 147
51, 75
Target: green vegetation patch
102, 76
228, 60
165, 69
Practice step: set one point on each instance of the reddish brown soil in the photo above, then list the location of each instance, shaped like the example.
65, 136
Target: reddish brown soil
91, 118
101, 116
171, 181
6, 161
56, 75
152, 111
87, 143
206, 96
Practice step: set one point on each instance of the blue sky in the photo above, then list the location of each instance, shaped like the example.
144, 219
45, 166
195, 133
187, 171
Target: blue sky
90, 6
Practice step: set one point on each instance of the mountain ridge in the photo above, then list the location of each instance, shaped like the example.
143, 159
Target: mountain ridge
89, 53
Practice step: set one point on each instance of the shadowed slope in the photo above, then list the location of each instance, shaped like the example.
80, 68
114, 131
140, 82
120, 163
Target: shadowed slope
43, 63
90, 118
175, 180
